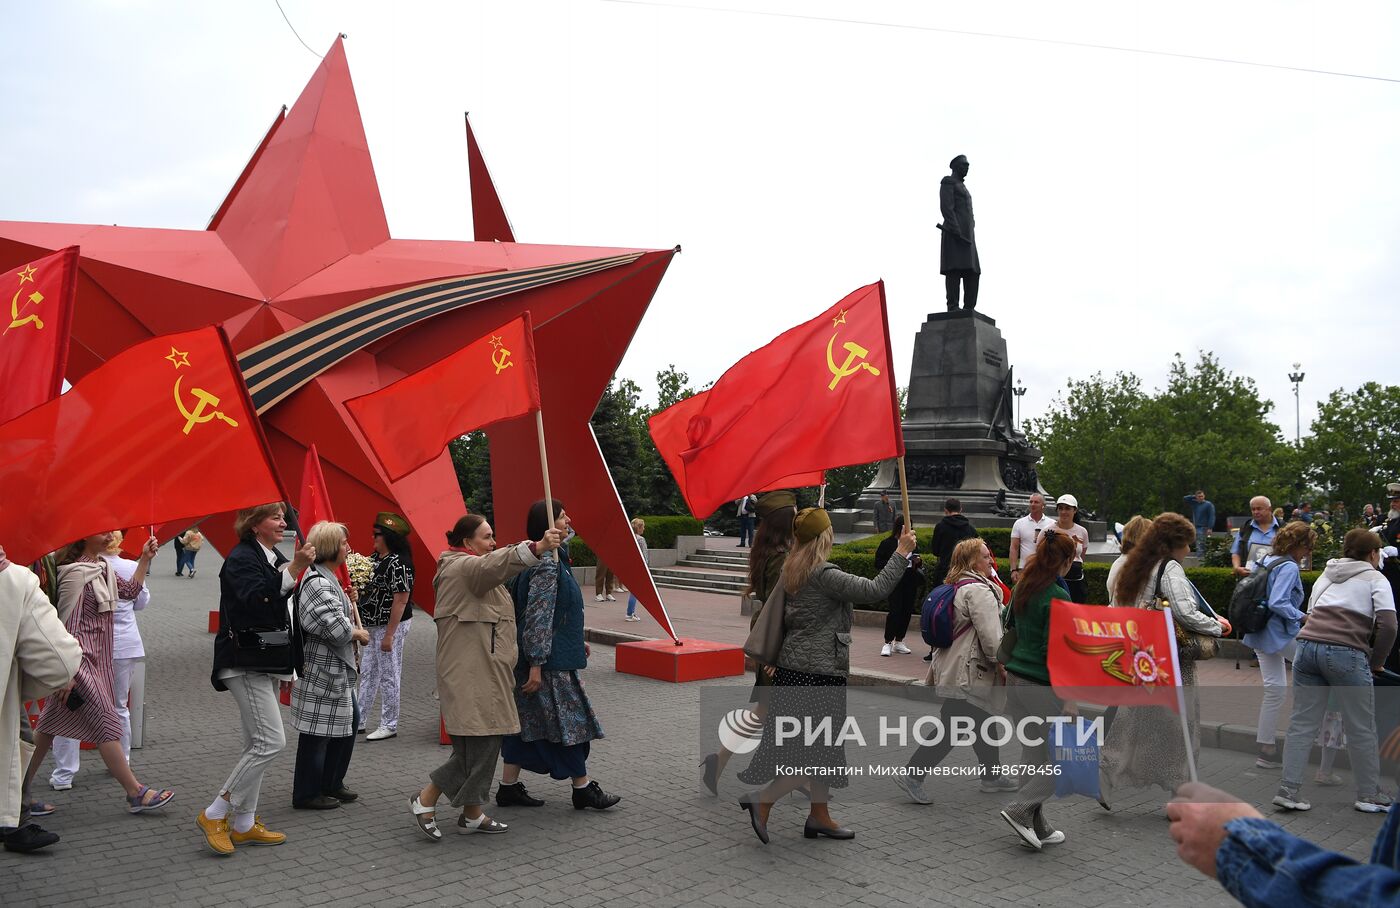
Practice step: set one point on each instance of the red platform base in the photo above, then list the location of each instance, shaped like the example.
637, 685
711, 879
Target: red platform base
214, 621
693, 660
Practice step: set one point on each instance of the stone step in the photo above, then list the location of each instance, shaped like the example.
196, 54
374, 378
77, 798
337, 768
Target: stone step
734, 554
718, 561
691, 574
700, 586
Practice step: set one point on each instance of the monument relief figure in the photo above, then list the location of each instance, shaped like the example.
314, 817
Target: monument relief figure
958, 260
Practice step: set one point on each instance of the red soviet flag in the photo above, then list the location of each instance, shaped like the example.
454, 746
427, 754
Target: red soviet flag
408, 423
1113, 656
34, 341
314, 505
668, 433
163, 431
818, 396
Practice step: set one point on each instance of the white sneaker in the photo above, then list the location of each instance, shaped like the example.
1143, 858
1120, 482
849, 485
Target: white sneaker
900, 648
1027, 834
598, 598
381, 733
634, 618
1376, 803
612, 598
885, 650
913, 787
60, 786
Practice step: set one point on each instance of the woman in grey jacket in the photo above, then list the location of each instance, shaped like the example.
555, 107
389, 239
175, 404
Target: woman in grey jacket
815, 656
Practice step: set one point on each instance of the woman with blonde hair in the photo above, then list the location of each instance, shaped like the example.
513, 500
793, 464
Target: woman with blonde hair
964, 673
324, 710
1133, 531
1144, 746
815, 653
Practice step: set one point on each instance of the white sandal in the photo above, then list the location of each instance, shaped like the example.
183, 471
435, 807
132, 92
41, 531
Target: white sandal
482, 824
427, 826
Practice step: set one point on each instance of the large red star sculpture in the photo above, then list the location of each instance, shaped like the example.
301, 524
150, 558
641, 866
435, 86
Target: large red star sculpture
322, 305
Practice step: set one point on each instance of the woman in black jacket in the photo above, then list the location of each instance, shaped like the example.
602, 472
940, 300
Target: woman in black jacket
254, 586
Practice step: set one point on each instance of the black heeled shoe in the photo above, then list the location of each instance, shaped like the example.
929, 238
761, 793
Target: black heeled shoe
750, 803
710, 777
811, 830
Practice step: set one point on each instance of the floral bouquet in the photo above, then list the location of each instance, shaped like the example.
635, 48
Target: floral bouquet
360, 568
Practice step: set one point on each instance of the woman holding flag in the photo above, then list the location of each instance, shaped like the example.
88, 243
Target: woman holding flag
1144, 745
817, 599
1028, 692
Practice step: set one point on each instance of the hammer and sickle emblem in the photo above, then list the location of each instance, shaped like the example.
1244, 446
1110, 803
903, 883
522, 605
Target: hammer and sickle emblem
203, 399
854, 352
500, 358
34, 299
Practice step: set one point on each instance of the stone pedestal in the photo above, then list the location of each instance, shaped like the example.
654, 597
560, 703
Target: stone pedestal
960, 437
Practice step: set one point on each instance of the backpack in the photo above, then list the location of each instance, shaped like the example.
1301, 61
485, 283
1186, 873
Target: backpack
936, 617
1249, 606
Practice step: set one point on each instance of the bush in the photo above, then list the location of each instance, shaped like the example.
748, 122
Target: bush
999, 538
661, 533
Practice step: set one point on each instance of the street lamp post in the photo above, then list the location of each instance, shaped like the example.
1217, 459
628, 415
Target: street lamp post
1296, 376
1020, 392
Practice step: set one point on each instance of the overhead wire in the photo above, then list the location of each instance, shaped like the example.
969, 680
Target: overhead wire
1008, 37
294, 30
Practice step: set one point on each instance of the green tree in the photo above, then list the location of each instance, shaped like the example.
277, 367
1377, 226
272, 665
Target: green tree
471, 458
1354, 448
1092, 443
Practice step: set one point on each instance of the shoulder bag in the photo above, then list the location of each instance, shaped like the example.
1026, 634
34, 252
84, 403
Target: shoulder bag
765, 640
1189, 644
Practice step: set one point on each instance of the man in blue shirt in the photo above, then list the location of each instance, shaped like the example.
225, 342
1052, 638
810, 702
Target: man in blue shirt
1256, 537
1260, 864
1203, 516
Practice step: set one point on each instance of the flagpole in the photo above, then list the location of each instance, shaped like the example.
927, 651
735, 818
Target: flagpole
904, 494
821, 496
544, 467
1180, 695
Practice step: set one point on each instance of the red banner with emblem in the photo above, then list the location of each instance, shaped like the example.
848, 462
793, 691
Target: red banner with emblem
408, 423
163, 431
1113, 656
818, 396
34, 341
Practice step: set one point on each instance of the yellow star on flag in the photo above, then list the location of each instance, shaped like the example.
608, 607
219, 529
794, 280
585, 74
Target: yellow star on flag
177, 358
839, 319
496, 341
26, 273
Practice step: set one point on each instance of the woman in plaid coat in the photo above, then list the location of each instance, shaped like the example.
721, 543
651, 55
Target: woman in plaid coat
323, 699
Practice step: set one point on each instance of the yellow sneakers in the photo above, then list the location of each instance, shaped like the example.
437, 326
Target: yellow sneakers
216, 834
258, 835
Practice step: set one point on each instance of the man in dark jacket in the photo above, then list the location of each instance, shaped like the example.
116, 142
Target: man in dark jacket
951, 530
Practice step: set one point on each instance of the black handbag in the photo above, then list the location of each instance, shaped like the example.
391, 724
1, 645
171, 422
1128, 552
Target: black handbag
272, 650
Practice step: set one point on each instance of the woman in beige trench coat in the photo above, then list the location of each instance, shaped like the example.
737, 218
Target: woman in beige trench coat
476, 656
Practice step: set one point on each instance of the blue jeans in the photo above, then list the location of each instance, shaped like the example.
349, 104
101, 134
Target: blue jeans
746, 530
631, 605
1321, 669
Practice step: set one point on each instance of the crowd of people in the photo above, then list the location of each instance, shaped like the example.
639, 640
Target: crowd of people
510, 648
510, 645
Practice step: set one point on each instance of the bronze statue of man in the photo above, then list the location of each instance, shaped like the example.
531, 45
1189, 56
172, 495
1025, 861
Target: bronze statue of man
958, 260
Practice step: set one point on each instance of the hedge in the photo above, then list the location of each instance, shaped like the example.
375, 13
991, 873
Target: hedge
661, 533
1215, 584
999, 538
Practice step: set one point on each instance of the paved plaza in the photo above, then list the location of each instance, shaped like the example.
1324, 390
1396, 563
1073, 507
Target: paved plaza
667, 843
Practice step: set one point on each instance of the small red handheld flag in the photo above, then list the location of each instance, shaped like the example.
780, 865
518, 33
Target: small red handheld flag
34, 330
408, 423
314, 505
162, 431
1113, 656
818, 396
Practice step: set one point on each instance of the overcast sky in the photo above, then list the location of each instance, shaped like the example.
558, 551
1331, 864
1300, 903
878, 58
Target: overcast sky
1129, 205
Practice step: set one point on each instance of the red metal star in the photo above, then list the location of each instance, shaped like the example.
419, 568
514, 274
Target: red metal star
295, 251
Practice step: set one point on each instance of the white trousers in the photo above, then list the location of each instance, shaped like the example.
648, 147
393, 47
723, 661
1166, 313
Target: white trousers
66, 750
1275, 675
